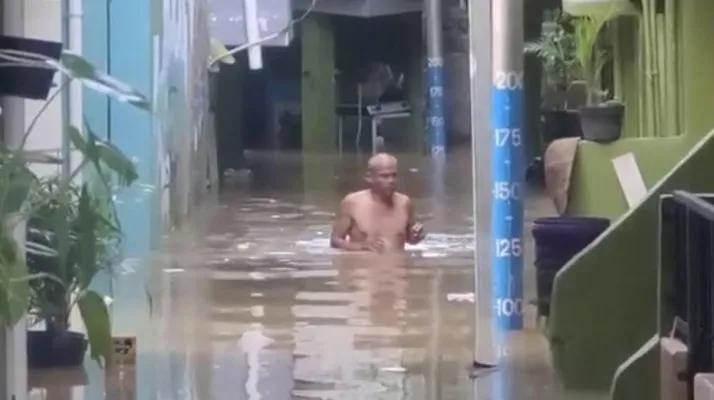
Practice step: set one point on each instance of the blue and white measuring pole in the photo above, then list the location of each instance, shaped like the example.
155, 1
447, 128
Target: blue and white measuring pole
507, 166
435, 79
436, 121
435, 106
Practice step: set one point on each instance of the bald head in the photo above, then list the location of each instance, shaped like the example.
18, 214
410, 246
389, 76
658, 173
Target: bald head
381, 161
382, 174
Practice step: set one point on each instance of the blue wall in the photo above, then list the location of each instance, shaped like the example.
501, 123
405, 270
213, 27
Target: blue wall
117, 39
130, 60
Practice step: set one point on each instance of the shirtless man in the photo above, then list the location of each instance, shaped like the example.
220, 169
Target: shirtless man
377, 219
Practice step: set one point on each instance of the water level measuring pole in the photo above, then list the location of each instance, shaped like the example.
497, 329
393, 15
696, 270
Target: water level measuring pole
435, 78
507, 170
436, 129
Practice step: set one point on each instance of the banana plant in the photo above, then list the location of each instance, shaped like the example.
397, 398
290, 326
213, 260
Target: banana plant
23, 196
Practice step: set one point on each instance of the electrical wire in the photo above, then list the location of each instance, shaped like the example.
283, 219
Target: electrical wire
268, 38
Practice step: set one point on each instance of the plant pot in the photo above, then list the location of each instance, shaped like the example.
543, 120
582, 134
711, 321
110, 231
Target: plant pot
557, 240
558, 124
55, 350
602, 123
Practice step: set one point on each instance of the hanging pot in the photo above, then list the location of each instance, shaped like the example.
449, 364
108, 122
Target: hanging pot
602, 123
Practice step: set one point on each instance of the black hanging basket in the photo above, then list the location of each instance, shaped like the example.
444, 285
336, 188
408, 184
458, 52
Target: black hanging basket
602, 123
557, 240
55, 350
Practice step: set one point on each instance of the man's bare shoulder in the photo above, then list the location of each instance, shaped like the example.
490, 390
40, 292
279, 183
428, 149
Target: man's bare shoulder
402, 199
354, 197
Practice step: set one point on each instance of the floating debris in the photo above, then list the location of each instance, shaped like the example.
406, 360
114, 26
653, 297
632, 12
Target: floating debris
461, 297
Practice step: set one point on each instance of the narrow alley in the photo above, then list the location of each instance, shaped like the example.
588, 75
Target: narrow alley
251, 303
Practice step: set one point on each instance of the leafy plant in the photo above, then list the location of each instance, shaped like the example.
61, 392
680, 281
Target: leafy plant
591, 53
572, 51
556, 50
72, 237
23, 196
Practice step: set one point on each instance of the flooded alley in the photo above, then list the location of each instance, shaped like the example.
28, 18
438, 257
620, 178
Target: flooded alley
251, 303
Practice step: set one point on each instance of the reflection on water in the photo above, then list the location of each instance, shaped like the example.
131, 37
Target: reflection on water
252, 304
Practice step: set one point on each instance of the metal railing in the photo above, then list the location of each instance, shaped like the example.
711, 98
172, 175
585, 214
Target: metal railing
690, 223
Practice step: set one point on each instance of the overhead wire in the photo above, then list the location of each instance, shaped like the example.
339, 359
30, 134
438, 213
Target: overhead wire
268, 38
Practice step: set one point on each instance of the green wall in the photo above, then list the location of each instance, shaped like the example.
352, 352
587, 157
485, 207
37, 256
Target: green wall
697, 77
319, 126
605, 300
594, 189
593, 167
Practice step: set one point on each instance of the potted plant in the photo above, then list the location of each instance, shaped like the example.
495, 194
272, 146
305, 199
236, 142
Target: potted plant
601, 118
555, 49
22, 195
72, 236
573, 54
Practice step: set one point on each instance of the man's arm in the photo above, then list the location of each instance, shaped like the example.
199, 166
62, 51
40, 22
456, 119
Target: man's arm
415, 230
341, 228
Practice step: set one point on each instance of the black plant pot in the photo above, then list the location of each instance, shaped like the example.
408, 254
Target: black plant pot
558, 124
55, 350
602, 123
557, 240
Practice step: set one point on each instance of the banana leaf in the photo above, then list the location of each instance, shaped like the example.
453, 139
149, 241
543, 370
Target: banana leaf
79, 68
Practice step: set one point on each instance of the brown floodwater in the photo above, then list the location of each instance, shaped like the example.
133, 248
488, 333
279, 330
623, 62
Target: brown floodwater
248, 301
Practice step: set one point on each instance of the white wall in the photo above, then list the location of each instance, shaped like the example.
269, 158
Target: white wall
43, 21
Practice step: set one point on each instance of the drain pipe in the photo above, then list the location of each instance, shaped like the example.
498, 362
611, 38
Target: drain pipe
71, 95
66, 96
13, 340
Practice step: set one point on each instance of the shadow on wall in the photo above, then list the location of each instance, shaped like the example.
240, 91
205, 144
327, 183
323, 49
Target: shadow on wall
605, 300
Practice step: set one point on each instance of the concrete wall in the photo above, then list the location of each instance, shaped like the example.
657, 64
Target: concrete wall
605, 299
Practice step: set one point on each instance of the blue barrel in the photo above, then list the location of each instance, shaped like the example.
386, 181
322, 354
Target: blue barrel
557, 240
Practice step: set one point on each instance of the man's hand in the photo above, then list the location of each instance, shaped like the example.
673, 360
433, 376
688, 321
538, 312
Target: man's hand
416, 233
377, 245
